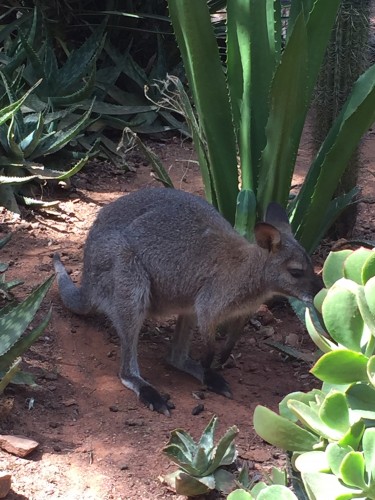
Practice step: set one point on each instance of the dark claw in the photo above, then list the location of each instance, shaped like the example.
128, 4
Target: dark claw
216, 383
154, 401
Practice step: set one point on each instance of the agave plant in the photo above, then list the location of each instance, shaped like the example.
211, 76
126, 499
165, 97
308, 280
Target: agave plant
14, 319
200, 463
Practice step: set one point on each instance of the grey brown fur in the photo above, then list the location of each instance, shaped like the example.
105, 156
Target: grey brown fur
162, 252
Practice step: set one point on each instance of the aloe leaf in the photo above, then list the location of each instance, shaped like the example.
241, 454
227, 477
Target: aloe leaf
368, 444
8, 376
224, 452
352, 122
29, 143
333, 268
24, 343
79, 60
61, 138
286, 118
202, 64
14, 323
352, 470
342, 317
334, 412
341, 367
312, 461
82, 93
354, 263
12, 144
8, 199
161, 173
45, 173
7, 112
281, 432
245, 213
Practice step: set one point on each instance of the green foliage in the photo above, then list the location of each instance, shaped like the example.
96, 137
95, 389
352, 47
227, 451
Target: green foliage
331, 431
257, 110
14, 319
200, 463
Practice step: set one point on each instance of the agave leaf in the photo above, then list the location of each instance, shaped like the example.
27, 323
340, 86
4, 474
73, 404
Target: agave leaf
224, 481
13, 181
8, 199
224, 452
207, 439
200, 461
32, 202
193, 486
162, 174
21, 378
14, 323
183, 439
5, 240
181, 457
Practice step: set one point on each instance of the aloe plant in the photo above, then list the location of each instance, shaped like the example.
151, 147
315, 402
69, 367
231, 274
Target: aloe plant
200, 463
14, 319
257, 109
331, 431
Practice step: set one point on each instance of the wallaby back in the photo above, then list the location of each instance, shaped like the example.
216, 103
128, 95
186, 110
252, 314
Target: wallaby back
164, 251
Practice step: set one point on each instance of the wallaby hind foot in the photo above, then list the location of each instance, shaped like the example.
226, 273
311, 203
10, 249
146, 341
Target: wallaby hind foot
166, 252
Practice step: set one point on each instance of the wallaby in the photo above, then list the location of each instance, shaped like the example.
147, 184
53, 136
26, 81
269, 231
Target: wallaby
162, 251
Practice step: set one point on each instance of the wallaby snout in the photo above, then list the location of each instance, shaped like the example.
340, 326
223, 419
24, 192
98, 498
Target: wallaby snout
164, 251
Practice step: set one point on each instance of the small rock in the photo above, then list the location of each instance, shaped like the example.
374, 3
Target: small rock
198, 395
265, 316
292, 339
56, 447
70, 402
5, 484
50, 376
134, 423
267, 331
113, 408
124, 467
197, 409
17, 445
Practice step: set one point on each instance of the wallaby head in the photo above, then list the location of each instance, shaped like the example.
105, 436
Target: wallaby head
164, 251
288, 269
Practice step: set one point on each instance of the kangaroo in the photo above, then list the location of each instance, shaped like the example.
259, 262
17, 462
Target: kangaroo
162, 251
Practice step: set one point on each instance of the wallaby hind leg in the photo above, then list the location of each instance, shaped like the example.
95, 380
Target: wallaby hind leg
180, 347
127, 311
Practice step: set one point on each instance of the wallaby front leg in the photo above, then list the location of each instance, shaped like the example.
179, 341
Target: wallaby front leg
213, 380
180, 347
232, 329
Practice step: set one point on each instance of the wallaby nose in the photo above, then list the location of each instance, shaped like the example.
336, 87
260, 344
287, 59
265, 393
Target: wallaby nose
317, 284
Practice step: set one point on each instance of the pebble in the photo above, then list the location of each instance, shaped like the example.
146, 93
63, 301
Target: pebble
17, 445
197, 409
5, 484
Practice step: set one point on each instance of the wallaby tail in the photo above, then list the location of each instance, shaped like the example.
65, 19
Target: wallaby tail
70, 295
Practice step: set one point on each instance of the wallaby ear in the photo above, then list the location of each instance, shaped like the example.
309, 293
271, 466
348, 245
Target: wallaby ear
277, 216
267, 236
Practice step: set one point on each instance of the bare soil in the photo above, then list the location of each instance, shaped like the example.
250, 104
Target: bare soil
96, 440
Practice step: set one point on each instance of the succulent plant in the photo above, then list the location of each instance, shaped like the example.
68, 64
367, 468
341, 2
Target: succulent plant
200, 463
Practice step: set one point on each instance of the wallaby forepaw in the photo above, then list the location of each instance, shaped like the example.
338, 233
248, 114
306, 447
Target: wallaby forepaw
216, 383
154, 401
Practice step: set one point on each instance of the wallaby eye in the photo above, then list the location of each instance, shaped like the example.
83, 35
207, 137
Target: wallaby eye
296, 273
